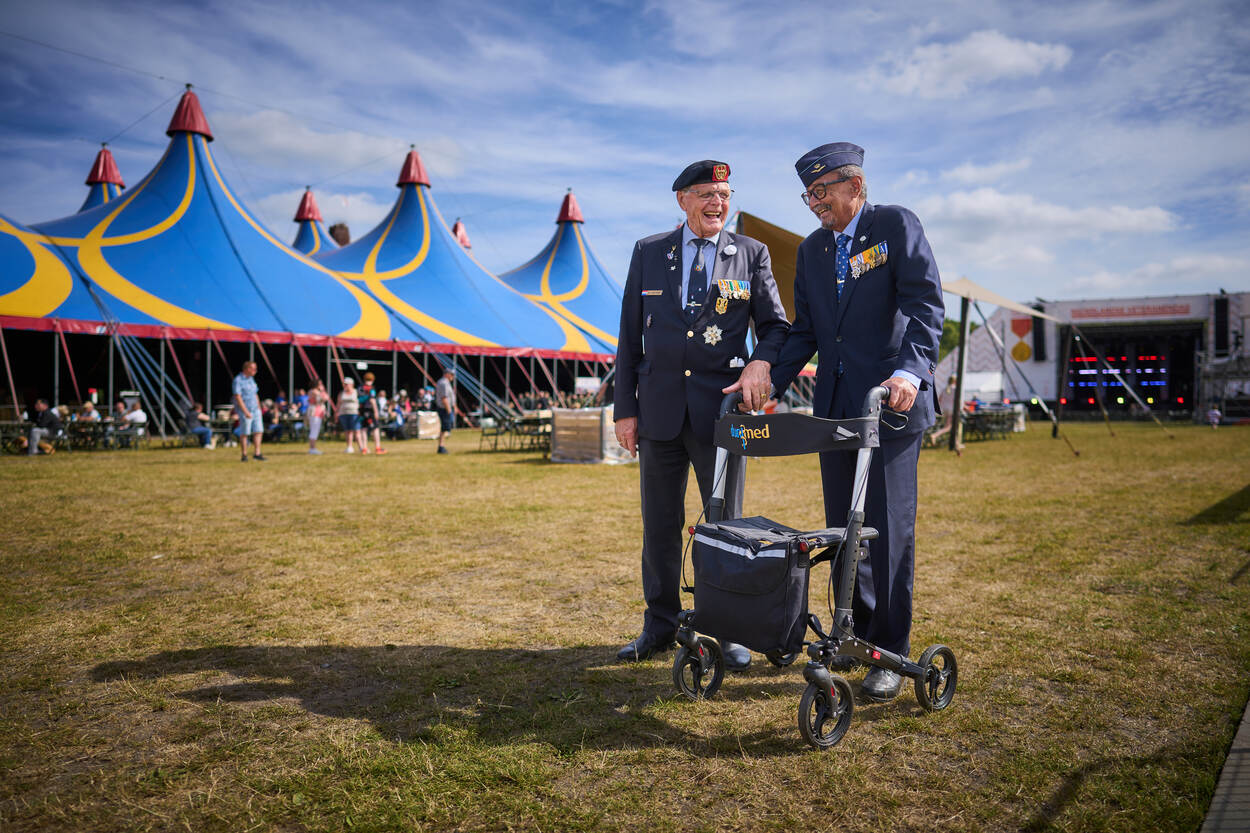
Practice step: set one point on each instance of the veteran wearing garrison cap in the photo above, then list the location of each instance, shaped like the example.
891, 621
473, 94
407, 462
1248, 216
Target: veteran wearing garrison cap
868, 298
690, 298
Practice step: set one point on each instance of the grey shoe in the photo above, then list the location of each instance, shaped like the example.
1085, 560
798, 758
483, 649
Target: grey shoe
881, 685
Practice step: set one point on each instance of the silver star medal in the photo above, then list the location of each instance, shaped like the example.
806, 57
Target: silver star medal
856, 268
712, 335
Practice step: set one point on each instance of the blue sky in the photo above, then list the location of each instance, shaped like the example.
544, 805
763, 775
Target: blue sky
1056, 150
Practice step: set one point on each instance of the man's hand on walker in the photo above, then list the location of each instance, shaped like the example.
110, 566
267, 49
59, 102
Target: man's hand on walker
627, 434
755, 385
902, 394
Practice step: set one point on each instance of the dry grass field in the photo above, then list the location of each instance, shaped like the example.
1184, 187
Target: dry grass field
418, 642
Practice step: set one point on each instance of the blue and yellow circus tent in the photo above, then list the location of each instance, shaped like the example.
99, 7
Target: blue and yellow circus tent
105, 181
414, 266
312, 238
567, 279
178, 256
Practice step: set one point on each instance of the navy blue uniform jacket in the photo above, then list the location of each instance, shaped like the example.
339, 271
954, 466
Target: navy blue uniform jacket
665, 364
890, 318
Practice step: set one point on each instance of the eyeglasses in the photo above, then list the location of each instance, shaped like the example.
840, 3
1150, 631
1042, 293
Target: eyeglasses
817, 192
708, 196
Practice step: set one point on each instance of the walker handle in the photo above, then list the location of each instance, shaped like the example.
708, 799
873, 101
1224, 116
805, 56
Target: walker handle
874, 400
729, 404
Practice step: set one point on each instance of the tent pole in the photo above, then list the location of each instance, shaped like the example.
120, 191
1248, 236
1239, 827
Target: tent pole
1063, 380
290, 370
162, 384
329, 379
8, 369
481, 385
69, 361
957, 407
394, 370
112, 349
208, 378
507, 377
56, 373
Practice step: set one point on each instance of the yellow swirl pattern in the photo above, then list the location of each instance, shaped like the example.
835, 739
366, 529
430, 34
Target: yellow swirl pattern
49, 284
373, 322
546, 296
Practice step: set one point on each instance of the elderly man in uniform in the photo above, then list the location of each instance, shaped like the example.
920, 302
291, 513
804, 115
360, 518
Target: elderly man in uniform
868, 298
690, 296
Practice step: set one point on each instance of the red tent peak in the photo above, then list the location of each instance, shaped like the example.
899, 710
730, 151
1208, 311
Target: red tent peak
105, 169
461, 234
308, 209
413, 172
189, 118
570, 212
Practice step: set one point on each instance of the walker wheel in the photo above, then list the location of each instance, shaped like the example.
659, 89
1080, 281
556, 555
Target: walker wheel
936, 688
698, 673
779, 659
824, 716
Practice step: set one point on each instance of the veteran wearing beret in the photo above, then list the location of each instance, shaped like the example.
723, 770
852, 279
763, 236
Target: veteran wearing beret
868, 298
690, 298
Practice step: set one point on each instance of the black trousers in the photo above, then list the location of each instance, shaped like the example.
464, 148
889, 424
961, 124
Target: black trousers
883, 583
664, 469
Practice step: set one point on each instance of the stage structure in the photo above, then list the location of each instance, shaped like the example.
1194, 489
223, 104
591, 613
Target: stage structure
1079, 355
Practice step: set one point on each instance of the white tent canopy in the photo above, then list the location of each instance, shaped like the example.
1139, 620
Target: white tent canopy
965, 288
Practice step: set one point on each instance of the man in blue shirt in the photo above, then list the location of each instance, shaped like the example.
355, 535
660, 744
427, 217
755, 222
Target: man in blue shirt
247, 406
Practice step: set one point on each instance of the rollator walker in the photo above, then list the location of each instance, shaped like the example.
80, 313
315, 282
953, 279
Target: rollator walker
751, 576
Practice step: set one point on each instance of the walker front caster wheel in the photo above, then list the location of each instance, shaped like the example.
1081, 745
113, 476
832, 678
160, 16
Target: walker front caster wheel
825, 715
698, 673
936, 688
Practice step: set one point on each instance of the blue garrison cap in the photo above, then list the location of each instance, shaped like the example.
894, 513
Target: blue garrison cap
707, 170
816, 163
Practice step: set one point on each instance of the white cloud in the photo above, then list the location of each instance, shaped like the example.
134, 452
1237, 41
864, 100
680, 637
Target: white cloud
988, 210
949, 70
1156, 277
361, 211
971, 174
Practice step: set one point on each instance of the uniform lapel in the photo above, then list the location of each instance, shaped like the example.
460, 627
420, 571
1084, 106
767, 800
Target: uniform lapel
672, 243
859, 243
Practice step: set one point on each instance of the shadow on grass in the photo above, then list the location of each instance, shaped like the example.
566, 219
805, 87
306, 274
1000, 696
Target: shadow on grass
1232, 509
571, 698
1048, 816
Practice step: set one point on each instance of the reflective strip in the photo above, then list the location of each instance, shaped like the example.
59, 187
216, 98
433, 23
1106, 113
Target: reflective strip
745, 552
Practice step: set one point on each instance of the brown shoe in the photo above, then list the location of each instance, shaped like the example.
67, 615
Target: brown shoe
46, 447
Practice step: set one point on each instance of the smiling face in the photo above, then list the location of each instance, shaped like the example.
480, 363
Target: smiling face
840, 203
706, 206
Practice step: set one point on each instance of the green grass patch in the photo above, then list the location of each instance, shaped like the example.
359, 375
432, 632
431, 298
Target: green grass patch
422, 642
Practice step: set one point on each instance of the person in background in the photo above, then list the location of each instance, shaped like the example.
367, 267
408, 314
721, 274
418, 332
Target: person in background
445, 402
370, 418
89, 412
46, 424
1214, 416
349, 413
316, 410
198, 424
247, 407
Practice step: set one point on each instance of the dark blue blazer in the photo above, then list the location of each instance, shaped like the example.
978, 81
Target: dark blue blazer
667, 364
890, 318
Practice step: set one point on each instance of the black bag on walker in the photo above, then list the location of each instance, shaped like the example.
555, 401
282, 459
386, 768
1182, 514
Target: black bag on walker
750, 584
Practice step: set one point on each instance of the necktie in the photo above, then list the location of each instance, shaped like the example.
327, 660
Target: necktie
698, 280
843, 262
